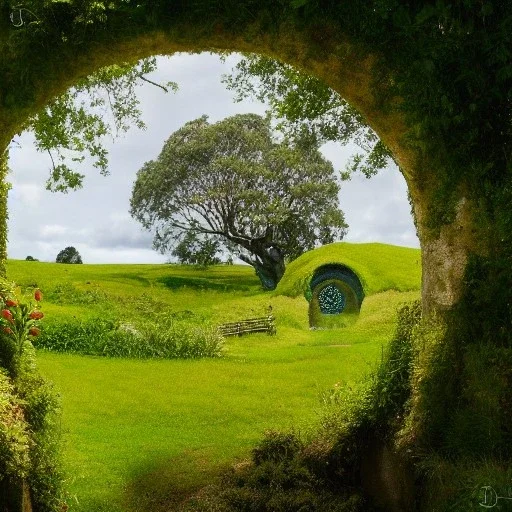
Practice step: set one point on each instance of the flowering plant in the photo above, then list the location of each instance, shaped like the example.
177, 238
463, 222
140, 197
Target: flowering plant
19, 318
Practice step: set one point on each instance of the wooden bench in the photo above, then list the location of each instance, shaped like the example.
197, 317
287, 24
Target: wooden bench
262, 324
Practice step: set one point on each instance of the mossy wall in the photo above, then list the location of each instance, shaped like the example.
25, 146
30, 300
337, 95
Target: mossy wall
4, 191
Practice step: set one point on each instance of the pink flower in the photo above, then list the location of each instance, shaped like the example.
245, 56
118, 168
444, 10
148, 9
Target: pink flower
11, 303
34, 331
36, 315
38, 295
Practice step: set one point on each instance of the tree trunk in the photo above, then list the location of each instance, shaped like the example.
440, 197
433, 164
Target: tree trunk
268, 263
270, 273
15, 496
461, 387
445, 255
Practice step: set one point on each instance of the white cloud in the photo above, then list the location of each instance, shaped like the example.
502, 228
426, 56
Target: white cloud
29, 194
53, 231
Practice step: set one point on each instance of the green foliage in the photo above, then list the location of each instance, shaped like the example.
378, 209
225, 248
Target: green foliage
30, 436
31, 258
14, 433
74, 125
269, 200
196, 250
69, 255
378, 404
166, 339
41, 407
306, 106
279, 478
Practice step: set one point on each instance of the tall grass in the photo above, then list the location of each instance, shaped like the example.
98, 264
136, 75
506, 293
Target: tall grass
110, 338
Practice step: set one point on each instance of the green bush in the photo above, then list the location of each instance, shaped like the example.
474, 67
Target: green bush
169, 339
29, 438
29, 410
278, 479
14, 433
41, 407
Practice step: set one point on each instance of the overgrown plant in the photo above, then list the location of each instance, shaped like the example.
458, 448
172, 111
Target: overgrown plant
30, 473
160, 337
19, 323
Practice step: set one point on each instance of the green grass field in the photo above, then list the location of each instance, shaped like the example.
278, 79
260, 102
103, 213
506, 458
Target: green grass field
142, 435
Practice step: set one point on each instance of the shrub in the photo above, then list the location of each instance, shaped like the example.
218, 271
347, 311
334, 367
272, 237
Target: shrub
107, 337
14, 433
42, 412
277, 479
29, 410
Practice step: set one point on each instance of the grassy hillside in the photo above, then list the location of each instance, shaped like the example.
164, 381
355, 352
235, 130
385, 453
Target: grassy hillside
143, 435
380, 267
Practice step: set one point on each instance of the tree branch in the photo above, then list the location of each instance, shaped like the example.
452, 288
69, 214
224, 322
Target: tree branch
142, 77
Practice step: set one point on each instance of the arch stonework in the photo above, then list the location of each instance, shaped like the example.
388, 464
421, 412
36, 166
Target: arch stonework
322, 50
343, 286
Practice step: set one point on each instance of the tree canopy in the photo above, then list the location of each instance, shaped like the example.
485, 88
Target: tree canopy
195, 249
267, 200
69, 255
302, 104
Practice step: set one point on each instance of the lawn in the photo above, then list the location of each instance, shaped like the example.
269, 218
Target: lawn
142, 435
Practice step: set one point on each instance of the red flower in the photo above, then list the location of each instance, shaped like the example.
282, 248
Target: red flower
7, 315
34, 331
38, 295
11, 303
7, 330
36, 315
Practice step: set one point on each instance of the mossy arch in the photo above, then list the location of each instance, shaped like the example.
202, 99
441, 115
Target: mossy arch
335, 295
461, 211
318, 47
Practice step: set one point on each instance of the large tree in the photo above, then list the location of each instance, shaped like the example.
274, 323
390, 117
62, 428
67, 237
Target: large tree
270, 200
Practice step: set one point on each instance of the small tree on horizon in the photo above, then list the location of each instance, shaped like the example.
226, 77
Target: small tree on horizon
69, 255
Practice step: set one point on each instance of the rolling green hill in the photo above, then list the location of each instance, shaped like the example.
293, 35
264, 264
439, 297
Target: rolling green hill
380, 267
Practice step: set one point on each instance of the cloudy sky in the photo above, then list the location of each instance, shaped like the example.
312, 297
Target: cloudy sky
95, 219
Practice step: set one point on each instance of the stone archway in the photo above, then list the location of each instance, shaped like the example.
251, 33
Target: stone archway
319, 50
49, 60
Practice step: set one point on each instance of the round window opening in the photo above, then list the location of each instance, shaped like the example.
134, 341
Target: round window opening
331, 300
